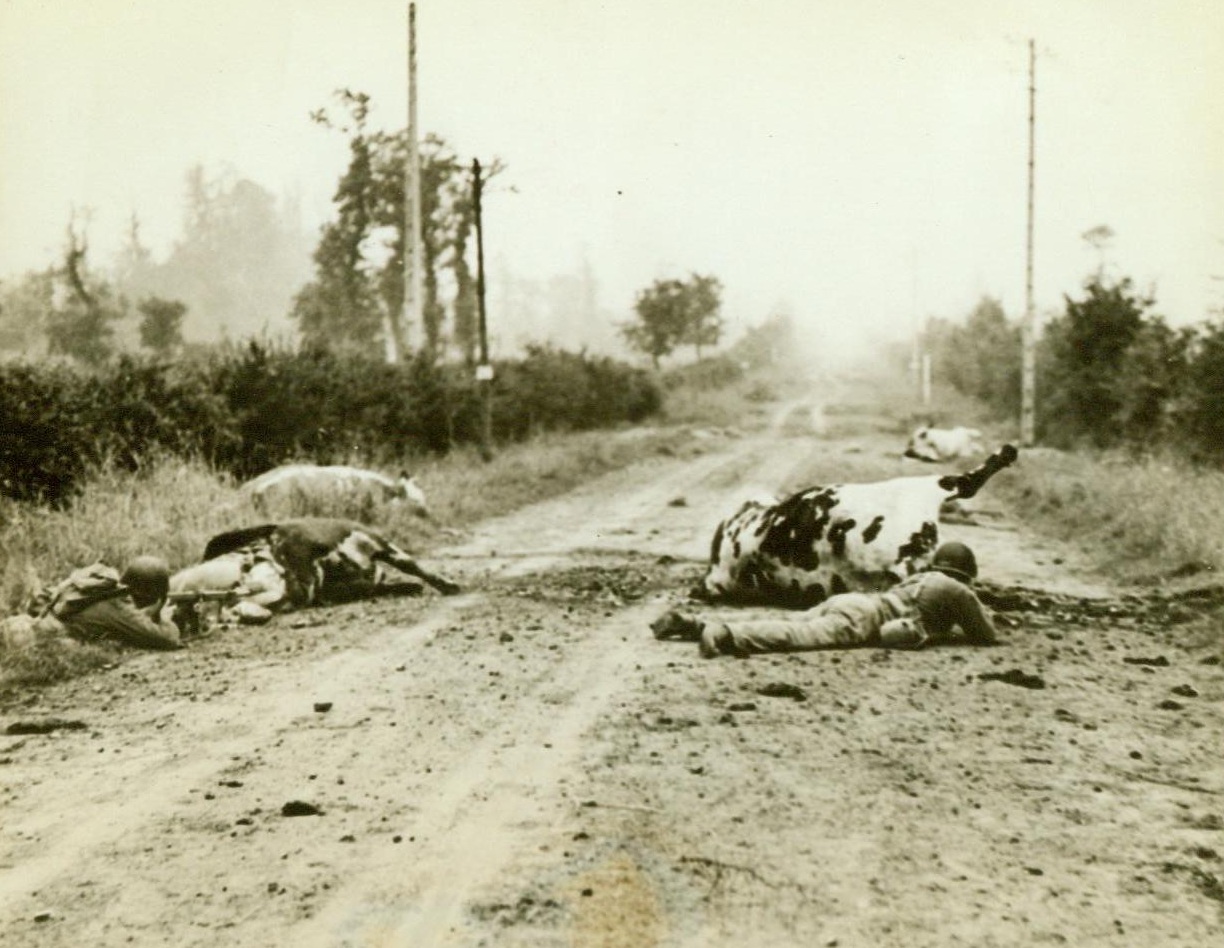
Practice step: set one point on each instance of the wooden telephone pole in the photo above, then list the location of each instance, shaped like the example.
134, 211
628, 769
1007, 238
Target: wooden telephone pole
413, 258
1028, 335
484, 371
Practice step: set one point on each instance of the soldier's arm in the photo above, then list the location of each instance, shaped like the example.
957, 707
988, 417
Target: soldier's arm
971, 616
121, 620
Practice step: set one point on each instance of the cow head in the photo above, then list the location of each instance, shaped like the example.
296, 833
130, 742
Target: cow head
921, 447
412, 494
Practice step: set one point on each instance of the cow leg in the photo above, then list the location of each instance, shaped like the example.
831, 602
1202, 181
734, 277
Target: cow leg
358, 589
406, 564
969, 483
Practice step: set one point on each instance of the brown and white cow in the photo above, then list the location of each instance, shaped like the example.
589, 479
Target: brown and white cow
302, 562
313, 484
826, 540
944, 444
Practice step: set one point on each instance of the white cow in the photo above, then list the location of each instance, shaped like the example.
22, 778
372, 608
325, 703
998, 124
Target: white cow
944, 444
314, 483
826, 540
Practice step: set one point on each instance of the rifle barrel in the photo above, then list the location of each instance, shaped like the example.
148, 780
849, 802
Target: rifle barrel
205, 595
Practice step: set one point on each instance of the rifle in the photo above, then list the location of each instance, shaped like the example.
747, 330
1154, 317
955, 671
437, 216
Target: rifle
187, 603
205, 595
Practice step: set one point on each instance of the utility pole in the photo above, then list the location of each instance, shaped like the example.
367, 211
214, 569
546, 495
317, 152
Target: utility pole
915, 365
484, 371
413, 259
1028, 335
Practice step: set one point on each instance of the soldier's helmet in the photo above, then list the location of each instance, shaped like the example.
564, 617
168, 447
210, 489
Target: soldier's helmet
148, 579
956, 560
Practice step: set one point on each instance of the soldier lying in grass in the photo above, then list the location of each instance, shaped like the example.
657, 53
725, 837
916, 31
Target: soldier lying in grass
98, 604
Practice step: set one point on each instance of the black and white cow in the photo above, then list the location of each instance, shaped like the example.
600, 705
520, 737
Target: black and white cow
313, 484
826, 540
944, 444
302, 562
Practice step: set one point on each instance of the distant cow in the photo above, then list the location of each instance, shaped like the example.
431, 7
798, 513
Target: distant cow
826, 540
944, 444
313, 483
302, 562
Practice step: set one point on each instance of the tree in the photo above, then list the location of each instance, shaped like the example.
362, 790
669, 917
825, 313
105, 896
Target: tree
82, 325
161, 324
1099, 238
771, 343
357, 294
672, 313
135, 270
1081, 359
980, 358
704, 325
465, 325
1201, 418
1154, 383
240, 257
25, 304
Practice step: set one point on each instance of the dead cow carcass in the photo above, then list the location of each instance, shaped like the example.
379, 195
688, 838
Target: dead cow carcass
303, 562
312, 484
944, 444
827, 540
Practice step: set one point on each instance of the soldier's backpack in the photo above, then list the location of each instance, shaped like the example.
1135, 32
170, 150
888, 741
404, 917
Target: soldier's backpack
82, 588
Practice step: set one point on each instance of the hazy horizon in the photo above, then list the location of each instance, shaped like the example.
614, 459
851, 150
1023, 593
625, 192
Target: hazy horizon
862, 166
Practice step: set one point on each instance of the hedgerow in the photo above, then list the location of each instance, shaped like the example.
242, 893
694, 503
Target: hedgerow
247, 408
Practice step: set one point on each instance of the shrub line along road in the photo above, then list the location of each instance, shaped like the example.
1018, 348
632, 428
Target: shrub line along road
524, 765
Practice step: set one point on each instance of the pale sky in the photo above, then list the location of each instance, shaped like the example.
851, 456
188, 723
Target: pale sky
861, 162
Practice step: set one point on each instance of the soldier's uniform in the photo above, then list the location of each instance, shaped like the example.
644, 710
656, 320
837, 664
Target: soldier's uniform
94, 604
924, 608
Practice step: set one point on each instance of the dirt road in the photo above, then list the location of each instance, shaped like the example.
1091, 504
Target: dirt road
524, 765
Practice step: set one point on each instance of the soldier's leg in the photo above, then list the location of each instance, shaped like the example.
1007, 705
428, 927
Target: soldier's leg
845, 621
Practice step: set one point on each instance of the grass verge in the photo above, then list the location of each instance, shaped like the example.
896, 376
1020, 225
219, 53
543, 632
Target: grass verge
1141, 520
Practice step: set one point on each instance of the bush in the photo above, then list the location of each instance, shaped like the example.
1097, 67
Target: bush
249, 408
43, 432
552, 390
709, 374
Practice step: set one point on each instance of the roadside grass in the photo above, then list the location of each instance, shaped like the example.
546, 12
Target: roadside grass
1140, 519
165, 508
51, 660
463, 489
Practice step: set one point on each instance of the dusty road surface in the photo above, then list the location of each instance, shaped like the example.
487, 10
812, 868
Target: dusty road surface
524, 765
